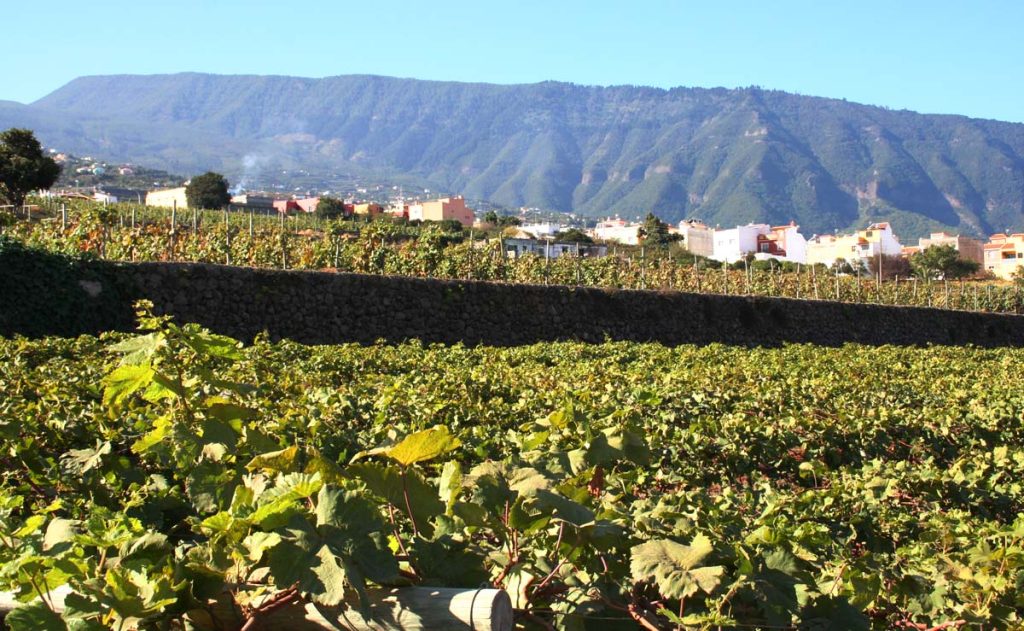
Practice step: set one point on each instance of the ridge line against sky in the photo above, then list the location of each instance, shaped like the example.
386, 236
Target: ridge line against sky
495, 83
941, 57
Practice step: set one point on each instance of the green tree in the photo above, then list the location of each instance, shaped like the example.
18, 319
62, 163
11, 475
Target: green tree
508, 220
209, 190
23, 166
330, 208
941, 261
573, 235
654, 231
491, 217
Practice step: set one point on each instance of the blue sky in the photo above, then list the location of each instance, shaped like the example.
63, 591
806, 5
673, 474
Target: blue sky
932, 56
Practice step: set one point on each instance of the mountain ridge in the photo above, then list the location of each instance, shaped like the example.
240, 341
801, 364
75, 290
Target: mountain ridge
725, 155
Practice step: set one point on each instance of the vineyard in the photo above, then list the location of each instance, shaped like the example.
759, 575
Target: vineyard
133, 233
176, 479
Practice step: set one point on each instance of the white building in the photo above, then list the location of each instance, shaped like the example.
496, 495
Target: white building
542, 230
167, 198
617, 230
782, 243
734, 244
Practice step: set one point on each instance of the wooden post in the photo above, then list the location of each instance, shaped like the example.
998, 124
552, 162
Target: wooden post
133, 217
643, 267
250, 225
395, 609
174, 222
547, 261
578, 276
227, 237
63, 217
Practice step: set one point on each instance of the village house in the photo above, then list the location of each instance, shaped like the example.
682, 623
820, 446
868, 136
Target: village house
734, 244
697, 237
618, 230
968, 248
877, 239
286, 206
114, 195
1004, 254
167, 198
247, 201
542, 230
366, 209
445, 208
521, 246
397, 210
781, 243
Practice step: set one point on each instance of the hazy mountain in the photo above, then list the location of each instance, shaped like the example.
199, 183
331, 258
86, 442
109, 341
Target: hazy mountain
726, 156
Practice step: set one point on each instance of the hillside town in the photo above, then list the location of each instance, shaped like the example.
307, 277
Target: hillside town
1000, 256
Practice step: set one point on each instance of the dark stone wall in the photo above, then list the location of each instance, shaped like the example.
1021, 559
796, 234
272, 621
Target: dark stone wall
326, 308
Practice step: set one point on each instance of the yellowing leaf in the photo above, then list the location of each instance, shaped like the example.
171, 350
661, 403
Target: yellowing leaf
425, 445
276, 461
31, 526
153, 437
123, 382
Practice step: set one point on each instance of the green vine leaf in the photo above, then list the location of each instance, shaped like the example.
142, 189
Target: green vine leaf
676, 568
123, 382
34, 616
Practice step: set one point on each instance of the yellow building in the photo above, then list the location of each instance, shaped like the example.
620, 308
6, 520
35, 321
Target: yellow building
876, 239
442, 209
167, 198
829, 248
1004, 255
369, 208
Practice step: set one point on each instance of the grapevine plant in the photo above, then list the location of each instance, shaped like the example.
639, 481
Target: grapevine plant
383, 247
176, 479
